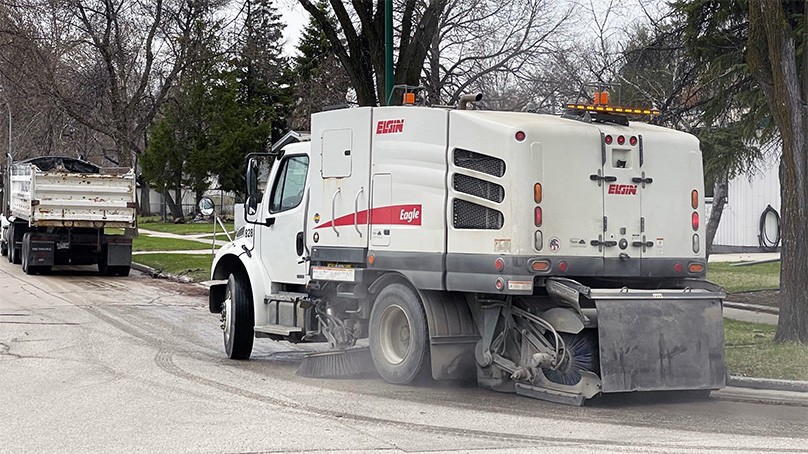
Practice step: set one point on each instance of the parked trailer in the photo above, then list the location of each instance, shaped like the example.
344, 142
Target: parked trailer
57, 209
555, 257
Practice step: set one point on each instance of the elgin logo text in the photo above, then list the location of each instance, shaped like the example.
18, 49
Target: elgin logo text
623, 189
390, 126
409, 216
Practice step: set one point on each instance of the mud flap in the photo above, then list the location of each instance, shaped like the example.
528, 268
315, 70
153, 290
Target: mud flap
665, 340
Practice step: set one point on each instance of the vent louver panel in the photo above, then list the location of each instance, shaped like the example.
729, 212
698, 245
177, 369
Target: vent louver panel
478, 188
468, 215
479, 162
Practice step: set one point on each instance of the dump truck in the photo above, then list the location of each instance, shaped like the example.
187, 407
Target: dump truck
555, 256
57, 209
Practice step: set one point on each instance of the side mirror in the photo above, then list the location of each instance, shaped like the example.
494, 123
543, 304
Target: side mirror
206, 206
251, 206
252, 179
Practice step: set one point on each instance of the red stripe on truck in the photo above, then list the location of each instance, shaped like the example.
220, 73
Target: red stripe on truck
391, 215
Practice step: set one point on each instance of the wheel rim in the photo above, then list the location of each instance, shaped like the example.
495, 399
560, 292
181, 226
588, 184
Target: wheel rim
394, 334
227, 312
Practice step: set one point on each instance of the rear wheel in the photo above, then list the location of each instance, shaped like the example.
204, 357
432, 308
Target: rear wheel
13, 252
238, 318
26, 251
399, 342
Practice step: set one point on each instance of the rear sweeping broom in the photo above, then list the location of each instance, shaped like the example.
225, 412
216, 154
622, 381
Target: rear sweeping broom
346, 362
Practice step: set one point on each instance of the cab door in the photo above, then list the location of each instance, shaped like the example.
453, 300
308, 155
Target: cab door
282, 241
622, 202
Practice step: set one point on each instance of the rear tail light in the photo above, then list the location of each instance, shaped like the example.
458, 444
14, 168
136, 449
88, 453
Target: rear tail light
608, 140
500, 284
632, 140
677, 267
520, 136
621, 140
695, 220
499, 264
537, 216
694, 199
562, 267
537, 192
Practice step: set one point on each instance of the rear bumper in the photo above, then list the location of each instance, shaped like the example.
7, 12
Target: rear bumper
478, 272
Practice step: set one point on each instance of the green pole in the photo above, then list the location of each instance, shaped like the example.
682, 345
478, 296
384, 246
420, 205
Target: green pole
388, 49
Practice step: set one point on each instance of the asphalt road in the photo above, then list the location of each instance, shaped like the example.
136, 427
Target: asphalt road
96, 364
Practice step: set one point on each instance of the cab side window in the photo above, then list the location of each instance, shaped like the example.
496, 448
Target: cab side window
287, 190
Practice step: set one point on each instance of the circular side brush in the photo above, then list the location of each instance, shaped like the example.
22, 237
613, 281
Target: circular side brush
583, 350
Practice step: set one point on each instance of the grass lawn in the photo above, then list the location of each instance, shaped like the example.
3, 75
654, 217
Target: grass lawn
751, 351
184, 229
195, 266
745, 278
150, 243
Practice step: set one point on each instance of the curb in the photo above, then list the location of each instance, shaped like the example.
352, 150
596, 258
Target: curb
752, 307
160, 275
766, 383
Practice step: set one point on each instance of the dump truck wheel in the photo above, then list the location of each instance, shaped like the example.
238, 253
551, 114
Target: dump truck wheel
13, 252
26, 250
238, 318
399, 338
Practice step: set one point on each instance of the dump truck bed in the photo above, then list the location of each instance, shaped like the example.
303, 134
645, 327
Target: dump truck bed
64, 198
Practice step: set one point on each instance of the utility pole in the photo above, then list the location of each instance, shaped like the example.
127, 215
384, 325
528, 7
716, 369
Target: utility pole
388, 50
8, 106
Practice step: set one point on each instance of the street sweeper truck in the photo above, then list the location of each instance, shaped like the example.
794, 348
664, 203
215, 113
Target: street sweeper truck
557, 257
57, 209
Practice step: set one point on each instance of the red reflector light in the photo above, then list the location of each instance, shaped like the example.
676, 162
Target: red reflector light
677, 267
500, 284
632, 140
541, 265
537, 216
562, 267
695, 220
499, 264
621, 140
520, 136
608, 140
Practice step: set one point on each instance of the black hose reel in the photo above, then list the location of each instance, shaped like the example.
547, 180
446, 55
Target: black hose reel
766, 243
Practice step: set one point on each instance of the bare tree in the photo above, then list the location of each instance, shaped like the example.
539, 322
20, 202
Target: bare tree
358, 41
494, 47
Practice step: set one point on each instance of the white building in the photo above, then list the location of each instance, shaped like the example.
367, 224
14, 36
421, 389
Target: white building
740, 228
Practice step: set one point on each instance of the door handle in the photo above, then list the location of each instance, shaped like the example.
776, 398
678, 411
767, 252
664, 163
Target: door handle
334, 211
356, 211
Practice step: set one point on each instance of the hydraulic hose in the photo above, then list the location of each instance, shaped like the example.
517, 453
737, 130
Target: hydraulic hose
766, 243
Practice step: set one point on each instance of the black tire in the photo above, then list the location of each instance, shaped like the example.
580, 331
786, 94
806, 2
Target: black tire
399, 336
122, 270
13, 252
25, 252
3, 248
239, 318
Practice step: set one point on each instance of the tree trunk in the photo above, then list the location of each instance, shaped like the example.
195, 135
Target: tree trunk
771, 55
719, 202
173, 207
145, 198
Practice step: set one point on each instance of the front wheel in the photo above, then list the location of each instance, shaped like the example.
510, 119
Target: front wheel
399, 337
238, 318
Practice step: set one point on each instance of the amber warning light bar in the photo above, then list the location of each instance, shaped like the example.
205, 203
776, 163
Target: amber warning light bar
600, 106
